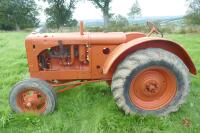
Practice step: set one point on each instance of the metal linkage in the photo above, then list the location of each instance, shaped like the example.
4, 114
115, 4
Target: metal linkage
71, 85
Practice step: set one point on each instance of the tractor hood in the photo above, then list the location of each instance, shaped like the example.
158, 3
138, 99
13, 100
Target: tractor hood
112, 38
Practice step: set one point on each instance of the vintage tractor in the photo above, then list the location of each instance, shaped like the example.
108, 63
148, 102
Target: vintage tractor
148, 75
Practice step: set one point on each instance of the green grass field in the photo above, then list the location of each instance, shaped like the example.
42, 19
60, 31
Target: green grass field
90, 108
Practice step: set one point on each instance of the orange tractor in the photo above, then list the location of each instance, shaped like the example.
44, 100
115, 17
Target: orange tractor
148, 75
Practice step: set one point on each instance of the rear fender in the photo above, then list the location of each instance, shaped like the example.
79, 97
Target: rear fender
120, 52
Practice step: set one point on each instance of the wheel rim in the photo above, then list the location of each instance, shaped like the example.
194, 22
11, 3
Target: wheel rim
31, 100
153, 88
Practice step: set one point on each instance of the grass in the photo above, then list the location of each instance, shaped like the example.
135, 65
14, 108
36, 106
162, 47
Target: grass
90, 108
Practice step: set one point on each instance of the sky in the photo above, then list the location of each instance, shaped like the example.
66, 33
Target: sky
85, 10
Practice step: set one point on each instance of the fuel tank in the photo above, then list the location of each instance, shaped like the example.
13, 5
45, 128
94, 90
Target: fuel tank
110, 38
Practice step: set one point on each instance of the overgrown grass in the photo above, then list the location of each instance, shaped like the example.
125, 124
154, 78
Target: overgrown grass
90, 108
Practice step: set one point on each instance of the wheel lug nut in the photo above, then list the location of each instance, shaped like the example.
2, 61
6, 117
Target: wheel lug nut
28, 104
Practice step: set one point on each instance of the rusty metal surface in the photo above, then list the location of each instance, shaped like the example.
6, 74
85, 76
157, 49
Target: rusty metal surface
123, 50
91, 58
90, 55
153, 88
70, 85
31, 100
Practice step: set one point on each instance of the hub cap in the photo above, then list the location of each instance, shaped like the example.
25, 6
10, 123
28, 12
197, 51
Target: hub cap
31, 100
153, 88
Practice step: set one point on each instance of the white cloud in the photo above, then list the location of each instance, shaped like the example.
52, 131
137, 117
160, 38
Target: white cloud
86, 10
149, 8
163, 7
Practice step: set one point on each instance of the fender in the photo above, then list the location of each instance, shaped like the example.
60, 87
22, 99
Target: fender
121, 51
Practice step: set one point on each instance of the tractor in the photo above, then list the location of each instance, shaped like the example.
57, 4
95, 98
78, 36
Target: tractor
148, 75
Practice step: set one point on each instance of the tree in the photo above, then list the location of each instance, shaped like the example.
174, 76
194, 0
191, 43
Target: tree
104, 5
135, 10
193, 13
119, 21
18, 14
60, 13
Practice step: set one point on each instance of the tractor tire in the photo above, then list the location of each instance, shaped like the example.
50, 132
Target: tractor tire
150, 82
34, 96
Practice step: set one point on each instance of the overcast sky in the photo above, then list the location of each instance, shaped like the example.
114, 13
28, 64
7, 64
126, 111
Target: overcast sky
85, 10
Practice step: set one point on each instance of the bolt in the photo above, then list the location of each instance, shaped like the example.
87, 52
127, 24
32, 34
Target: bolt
152, 87
29, 104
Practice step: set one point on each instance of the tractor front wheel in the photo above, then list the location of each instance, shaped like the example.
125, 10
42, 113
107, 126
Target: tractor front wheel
32, 95
150, 81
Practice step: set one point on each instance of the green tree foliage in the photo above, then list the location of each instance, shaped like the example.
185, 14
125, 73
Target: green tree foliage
135, 10
60, 13
104, 5
193, 14
18, 14
119, 21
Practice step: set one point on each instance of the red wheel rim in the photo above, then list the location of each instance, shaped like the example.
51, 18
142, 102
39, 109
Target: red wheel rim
153, 88
31, 100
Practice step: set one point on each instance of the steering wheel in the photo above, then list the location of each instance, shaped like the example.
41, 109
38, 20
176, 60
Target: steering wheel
153, 28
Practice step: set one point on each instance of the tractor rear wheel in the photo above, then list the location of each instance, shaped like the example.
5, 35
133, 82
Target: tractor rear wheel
151, 81
32, 95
